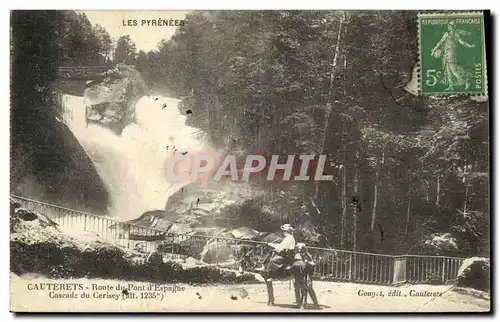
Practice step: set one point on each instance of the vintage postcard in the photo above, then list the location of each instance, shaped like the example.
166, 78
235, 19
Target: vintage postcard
249, 161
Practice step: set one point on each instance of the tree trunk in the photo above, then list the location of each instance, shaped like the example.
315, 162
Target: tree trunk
375, 196
329, 105
466, 189
466, 197
344, 205
375, 193
408, 212
355, 205
438, 188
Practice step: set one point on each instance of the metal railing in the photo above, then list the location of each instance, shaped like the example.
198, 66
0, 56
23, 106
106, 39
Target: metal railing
81, 72
330, 264
352, 266
82, 68
79, 224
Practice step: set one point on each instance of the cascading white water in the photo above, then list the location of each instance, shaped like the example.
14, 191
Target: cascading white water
132, 165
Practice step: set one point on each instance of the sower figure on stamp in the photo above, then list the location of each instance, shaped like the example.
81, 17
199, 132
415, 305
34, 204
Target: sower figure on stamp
446, 49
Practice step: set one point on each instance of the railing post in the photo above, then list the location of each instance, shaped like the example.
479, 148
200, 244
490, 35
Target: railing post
350, 267
405, 278
399, 273
217, 251
395, 270
173, 239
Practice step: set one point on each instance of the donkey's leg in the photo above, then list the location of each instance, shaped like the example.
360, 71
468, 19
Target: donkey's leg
298, 290
270, 291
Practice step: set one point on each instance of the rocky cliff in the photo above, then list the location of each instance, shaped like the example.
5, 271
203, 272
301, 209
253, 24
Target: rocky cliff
210, 204
46, 160
48, 163
111, 103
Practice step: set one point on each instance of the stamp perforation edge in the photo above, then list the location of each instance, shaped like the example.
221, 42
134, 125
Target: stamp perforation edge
433, 14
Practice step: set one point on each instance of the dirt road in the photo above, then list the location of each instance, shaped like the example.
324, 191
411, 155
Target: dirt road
108, 295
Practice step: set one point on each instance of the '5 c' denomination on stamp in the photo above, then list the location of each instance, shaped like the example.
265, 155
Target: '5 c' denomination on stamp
452, 53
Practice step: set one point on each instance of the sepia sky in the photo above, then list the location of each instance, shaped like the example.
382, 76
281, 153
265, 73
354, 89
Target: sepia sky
145, 37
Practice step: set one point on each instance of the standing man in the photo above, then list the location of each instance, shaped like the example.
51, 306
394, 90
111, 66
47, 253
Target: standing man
304, 266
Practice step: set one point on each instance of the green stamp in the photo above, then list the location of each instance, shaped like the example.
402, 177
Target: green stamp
452, 53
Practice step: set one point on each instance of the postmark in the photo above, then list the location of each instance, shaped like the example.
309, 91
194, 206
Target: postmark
452, 53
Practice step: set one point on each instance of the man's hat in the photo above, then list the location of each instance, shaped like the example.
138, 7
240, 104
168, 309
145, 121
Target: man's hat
287, 227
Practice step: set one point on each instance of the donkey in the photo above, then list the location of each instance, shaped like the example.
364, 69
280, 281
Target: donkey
251, 257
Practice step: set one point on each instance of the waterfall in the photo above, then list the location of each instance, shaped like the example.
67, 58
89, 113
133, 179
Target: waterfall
133, 164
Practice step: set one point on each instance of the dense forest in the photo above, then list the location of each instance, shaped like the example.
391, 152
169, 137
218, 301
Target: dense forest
412, 172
